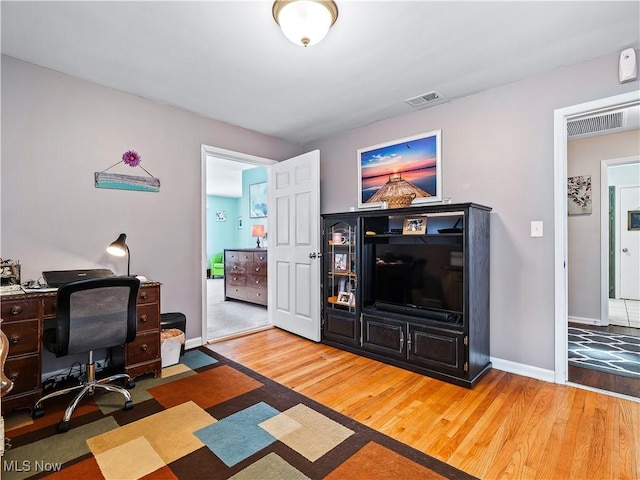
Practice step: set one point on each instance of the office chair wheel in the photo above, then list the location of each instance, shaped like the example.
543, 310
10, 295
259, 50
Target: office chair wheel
63, 427
38, 412
128, 405
130, 384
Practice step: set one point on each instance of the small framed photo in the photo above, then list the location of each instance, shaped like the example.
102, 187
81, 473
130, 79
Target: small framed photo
414, 226
340, 263
221, 216
634, 220
346, 298
239, 223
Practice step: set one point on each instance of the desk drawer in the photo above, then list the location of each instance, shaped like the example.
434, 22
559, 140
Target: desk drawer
24, 372
19, 310
49, 307
148, 295
145, 347
23, 337
148, 318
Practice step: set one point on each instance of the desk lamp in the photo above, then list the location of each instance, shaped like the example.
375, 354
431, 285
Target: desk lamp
257, 231
119, 248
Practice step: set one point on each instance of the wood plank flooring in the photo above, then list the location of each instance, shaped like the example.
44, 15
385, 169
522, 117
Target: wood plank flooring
508, 426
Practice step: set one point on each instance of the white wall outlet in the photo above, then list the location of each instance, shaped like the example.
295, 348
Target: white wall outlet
536, 228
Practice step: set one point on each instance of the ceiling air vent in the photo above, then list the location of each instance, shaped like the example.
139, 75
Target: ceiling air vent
595, 124
423, 99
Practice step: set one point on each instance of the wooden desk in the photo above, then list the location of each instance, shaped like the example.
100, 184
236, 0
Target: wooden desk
22, 320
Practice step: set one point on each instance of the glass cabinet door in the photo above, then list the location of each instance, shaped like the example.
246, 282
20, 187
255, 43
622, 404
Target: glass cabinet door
340, 265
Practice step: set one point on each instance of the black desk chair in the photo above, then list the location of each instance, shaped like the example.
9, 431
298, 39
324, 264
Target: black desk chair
90, 315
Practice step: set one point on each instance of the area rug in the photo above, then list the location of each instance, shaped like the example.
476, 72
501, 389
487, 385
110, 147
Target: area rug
604, 351
209, 418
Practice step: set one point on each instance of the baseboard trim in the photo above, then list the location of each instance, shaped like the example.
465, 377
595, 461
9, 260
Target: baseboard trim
524, 370
586, 321
193, 343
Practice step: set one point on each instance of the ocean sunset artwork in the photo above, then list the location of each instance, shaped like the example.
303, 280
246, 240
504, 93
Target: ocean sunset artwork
406, 166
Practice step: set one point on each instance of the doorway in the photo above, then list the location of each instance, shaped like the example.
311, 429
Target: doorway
562, 254
223, 206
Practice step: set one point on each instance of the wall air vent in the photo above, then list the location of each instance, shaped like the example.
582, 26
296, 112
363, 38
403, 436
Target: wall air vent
595, 124
424, 99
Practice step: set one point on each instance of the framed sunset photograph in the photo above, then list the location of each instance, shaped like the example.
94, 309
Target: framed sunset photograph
401, 167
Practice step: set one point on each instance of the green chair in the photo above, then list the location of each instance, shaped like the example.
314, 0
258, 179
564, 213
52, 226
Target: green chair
217, 265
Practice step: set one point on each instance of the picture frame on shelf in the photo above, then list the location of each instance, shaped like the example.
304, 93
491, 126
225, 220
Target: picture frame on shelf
408, 165
340, 262
414, 226
346, 298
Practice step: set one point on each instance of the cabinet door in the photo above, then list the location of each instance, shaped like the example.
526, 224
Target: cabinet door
384, 336
437, 348
340, 281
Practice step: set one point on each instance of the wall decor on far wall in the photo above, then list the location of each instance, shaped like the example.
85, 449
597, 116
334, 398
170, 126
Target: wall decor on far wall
579, 195
221, 216
118, 181
411, 165
258, 200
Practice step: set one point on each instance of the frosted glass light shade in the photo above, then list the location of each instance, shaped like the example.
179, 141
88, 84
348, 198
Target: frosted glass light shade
305, 22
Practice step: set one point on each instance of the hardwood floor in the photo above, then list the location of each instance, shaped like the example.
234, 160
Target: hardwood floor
508, 426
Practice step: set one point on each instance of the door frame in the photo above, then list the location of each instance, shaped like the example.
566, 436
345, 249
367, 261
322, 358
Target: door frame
604, 233
205, 151
561, 116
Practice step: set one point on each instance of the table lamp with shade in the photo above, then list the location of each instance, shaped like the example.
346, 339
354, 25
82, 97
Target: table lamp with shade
257, 231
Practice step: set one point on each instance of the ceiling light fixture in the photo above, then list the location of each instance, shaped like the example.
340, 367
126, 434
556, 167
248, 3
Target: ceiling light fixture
305, 22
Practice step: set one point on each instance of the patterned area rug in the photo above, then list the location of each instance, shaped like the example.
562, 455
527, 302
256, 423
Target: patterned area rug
209, 417
604, 351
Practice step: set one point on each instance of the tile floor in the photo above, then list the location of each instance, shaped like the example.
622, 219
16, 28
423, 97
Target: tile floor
625, 313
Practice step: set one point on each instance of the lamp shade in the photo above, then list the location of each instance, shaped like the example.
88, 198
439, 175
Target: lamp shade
305, 22
119, 248
257, 231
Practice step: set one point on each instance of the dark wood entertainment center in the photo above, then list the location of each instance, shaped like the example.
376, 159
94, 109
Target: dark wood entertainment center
415, 299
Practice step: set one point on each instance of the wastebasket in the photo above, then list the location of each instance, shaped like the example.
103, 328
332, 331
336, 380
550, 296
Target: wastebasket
174, 320
172, 340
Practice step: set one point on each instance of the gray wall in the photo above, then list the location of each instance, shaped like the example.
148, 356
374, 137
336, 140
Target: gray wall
584, 157
497, 150
58, 130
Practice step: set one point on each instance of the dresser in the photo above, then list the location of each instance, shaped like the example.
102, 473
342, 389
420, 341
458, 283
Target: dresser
245, 275
23, 316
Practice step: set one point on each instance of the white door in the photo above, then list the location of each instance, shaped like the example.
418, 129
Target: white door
294, 245
629, 251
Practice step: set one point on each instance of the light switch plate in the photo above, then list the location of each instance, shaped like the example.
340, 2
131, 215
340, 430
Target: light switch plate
536, 228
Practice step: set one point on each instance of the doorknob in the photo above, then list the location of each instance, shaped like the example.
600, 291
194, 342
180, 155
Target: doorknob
625, 250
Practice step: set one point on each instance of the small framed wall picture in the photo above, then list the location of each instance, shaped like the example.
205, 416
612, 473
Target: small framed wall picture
414, 226
221, 216
346, 298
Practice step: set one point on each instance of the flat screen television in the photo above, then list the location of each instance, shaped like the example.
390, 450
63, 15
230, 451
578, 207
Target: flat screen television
418, 279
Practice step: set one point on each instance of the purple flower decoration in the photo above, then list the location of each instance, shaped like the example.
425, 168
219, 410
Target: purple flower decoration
131, 158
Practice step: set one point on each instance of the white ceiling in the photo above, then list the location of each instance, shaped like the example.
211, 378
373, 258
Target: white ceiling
229, 61
224, 177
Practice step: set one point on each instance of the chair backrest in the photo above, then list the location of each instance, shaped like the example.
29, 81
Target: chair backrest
96, 313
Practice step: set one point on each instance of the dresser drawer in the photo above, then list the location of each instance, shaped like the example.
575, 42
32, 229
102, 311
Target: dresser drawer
260, 257
238, 292
20, 310
235, 268
148, 318
257, 295
257, 269
24, 372
146, 346
23, 337
257, 281
237, 279
148, 295
231, 257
